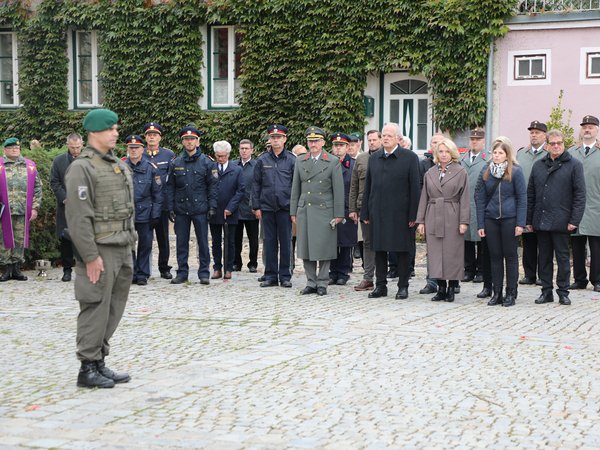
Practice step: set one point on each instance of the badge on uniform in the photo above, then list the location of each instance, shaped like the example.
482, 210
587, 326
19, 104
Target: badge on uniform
215, 173
157, 180
117, 169
82, 191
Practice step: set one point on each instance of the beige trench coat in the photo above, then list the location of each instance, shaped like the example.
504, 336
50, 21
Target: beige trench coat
443, 207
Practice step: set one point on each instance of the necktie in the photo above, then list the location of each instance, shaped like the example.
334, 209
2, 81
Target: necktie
587, 150
220, 169
473, 158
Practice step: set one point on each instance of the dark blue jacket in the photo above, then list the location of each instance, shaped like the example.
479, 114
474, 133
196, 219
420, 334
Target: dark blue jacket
245, 208
508, 201
161, 161
147, 191
231, 193
347, 232
272, 186
192, 185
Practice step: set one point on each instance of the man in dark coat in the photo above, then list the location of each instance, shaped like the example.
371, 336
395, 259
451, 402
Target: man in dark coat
555, 206
390, 203
57, 182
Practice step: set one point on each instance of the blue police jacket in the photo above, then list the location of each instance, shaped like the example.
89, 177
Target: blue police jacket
272, 186
161, 161
147, 191
231, 193
244, 208
192, 184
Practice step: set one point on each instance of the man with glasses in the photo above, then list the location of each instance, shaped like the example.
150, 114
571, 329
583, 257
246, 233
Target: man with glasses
555, 206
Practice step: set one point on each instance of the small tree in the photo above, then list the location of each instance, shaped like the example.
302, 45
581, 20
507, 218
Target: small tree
557, 121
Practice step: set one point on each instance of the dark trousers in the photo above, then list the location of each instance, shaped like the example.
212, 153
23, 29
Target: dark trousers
182, 230
216, 232
278, 242
530, 255
162, 240
554, 244
502, 245
412, 253
340, 267
579, 254
66, 253
141, 263
381, 267
477, 261
252, 233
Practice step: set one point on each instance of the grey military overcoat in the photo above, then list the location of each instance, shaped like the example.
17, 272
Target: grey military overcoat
473, 170
590, 223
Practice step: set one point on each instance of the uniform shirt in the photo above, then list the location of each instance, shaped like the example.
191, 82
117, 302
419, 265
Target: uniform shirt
160, 161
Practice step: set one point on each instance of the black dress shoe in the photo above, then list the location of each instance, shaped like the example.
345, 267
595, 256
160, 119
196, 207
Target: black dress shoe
457, 289
178, 280
478, 278
392, 274
204, 280
544, 298
269, 284
527, 280
331, 281
308, 290
402, 293
286, 284
252, 269
66, 274
467, 278
115, 376
450, 294
538, 282
236, 268
378, 292
142, 282
597, 287
166, 275
579, 285
441, 295
428, 289
341, 282
510, 298
321, 290
261, 279
496, 299
485, 292
564, 300
89, 376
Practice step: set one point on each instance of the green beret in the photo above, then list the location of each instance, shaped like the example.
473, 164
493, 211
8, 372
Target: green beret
11, 141
100, 120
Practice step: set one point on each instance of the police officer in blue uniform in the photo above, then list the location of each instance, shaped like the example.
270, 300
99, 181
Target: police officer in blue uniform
192, 198
271, 191
148, 198
160, 158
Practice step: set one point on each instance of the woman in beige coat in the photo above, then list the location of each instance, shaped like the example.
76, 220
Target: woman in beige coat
443, 217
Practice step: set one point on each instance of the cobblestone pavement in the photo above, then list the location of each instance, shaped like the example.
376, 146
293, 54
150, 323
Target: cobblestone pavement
232, 365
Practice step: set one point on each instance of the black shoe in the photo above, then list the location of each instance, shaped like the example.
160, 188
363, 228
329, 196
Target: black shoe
111, 375
166, 275
510, 298
527, 280
178, 280
252, 269
467, 278
17, 274
564, 299
7, 273
457, 289
261, 279
450, 295
478, 278
544, 298
89, 377
286, 284
236, 268
412, 274
402, 293
66, 274
496, 299
485, 293
341, 282
204, 280
578, 285
428, 289
308, 290
356, 252
441, 294
321, 290
392, 274
134, 281
538, 282
378, 292
597, 287
142, 282
332, 281
269, 284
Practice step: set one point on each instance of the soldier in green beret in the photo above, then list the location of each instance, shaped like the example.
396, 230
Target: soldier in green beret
100, 220
20, 200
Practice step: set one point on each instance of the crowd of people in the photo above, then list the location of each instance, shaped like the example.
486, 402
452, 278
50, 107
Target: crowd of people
325, 208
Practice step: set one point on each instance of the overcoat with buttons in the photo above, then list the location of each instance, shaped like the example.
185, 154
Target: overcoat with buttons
473, 170
347, 232
590, 223
317, 198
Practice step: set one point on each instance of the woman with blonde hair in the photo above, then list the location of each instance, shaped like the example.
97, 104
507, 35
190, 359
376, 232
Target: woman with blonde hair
501, 200
443, 217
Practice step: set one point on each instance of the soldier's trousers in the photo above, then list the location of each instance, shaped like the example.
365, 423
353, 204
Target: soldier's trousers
101, 305
316, 279
17, 254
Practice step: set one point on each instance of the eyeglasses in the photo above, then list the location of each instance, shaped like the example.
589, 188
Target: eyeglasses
555, 144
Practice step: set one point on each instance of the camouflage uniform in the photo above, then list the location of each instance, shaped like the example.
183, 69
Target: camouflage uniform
16, 178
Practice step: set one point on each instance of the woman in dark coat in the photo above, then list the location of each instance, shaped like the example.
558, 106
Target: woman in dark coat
443, 217
501, 199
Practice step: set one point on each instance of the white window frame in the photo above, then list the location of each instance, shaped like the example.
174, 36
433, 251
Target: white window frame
15, 72
74, 79
584, 58
518, 55
231, 100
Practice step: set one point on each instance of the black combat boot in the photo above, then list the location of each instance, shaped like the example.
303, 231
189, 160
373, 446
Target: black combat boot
496, 298
115, 376
450, 295
441, 294
510, 298
89, 376
6, 273
17, 274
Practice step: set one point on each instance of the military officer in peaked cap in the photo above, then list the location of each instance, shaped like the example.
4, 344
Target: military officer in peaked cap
100, 219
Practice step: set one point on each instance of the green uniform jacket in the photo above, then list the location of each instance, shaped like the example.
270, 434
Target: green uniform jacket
473, 171
526, 160
317, 198
590, 223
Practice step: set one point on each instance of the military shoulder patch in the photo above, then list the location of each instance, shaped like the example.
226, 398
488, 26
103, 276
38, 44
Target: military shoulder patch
215, 173
82, 192
157, 180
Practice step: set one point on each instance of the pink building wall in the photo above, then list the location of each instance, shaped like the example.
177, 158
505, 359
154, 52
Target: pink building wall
516, 106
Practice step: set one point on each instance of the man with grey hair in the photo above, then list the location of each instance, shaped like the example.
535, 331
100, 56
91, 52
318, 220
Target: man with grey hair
57, 182
231, 193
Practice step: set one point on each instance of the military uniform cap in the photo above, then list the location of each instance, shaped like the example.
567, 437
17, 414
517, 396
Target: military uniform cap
153, 127
339, 138
134, 140
277, 130
314, 134
355, 137
189, 131
537, 125
477, 133
11, 142
99, 120
590, 120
